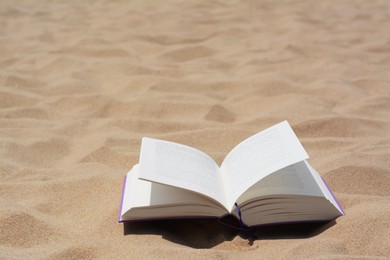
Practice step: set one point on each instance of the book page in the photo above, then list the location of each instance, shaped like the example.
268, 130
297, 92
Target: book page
145, 194
181, 166
325, 189
295, 179
258, 156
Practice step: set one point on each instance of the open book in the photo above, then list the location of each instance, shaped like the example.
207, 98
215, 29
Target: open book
266, 178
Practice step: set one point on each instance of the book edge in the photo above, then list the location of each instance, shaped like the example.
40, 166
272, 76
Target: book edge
333, 196
223, 223
168, 218
122, 198
292, 222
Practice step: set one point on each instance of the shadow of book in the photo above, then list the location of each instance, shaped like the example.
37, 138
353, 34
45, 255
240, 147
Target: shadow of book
195, 233
209, 232
287, 231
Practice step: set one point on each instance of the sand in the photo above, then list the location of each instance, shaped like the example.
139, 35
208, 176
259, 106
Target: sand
82, 82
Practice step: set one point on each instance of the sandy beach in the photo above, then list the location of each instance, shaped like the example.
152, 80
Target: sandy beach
81, 82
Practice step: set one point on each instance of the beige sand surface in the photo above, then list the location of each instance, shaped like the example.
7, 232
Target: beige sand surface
82, 82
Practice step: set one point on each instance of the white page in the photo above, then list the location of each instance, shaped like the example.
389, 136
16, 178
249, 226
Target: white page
137, 192
325, 189
140, 193
295, 179
181, 166
258, 156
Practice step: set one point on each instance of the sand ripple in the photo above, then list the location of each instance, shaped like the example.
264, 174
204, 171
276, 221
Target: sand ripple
82, 83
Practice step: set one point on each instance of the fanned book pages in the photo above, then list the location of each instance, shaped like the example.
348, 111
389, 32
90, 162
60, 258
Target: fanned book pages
264, 180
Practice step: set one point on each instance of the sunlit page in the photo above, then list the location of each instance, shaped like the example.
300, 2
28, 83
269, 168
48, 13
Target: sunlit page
295, 179
258, 156
180, 166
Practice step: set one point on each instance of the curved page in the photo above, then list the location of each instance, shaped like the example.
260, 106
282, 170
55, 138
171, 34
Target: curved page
180, 166
148, 200
258, 156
